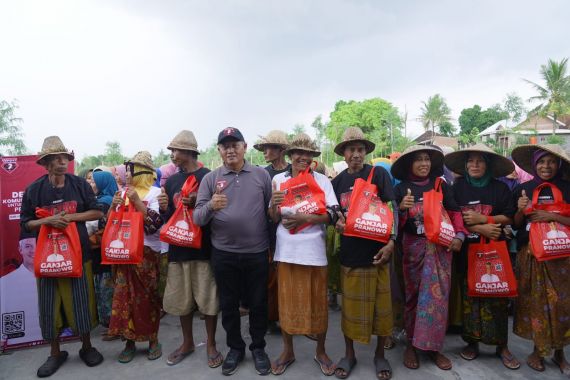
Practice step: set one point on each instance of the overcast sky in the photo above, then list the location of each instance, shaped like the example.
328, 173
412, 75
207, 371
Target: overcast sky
139, 71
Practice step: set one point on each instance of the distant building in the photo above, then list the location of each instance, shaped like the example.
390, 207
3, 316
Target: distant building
430, 138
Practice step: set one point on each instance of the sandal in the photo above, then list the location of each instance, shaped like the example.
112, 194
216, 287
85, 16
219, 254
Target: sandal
216, 360
411, 358
324, 365
52, 364
470, 352
91, 357
283, 366
389, 343
177, 356
440, 360
382, 366
508, 359
154, 353
535, 362
127, 355
565, 371
345, 364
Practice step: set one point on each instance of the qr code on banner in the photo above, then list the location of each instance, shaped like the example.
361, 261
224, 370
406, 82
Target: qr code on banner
13, 324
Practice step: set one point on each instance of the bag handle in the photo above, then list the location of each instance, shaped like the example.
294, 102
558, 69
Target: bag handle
556, 193
370, 176
437, 185
190, 186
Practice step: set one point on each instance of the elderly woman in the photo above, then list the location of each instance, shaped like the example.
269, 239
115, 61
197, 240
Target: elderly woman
302, 262
480, 195
63, 300
426, 265
542, 310
104, 186
364, 272
136, 301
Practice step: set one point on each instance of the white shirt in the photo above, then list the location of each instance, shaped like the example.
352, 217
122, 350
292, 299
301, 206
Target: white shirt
308, 246
369, 216
490, 278
152, 241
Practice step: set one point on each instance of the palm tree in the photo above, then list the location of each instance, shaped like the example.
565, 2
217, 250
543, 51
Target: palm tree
435, 112
555, 94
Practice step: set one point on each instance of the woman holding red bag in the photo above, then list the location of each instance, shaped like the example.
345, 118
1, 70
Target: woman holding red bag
542, 310
426, 265
487, 207
136, 301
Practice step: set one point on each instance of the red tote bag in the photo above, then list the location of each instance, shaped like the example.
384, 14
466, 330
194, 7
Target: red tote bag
180, 229
58, 252
549, 240
368, 217
123, 238
302, 195
437, 224
490, 272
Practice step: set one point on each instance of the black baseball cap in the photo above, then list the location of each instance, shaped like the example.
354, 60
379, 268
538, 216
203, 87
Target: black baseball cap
230, 133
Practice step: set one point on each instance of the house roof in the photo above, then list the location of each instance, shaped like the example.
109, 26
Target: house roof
544, 122
499, 125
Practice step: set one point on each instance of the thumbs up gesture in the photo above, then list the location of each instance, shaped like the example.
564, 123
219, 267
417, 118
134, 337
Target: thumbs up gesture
523, 201
162, 200
117, 200
277, 196
219, 200
407, 201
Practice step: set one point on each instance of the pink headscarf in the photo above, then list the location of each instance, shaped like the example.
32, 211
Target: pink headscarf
167, 170
522, 175
121, 175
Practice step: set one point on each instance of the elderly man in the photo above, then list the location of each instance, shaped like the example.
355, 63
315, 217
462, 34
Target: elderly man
190, 283
234, 200
63, 302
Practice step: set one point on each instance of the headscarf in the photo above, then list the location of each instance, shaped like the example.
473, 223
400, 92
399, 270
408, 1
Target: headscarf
485, 179
121, 172
536, 156
167, 170
522, 175
106, 186
142, 182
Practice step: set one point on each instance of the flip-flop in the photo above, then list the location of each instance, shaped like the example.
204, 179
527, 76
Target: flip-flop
390, 343
91, 357
508, 360
323, 365
283, 365
469, 353
540, 367
382, 365
345, 364
52, 364
437, 358
177, 356
212, 360
565, 372
127, 355
416, 364
154, 353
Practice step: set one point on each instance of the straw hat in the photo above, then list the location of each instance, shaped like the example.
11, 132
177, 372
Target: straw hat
53, 145
500, 166
350, 135
401, 167
303, 142
142, 158
522, 155
277, 138
184, 140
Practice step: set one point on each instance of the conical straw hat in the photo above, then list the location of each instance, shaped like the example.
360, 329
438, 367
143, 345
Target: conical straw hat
401, 167
500, 166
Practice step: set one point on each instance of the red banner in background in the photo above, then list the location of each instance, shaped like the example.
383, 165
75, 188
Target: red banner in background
19, 324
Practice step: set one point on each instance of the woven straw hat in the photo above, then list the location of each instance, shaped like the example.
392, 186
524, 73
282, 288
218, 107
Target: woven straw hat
303, 142
500, 166
522, 155
350, 135
53, 145
401, 167
274, 137
142, 158
184, 140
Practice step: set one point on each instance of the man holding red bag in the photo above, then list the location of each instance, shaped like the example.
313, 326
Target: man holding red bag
69, 199
190, 283
365, 274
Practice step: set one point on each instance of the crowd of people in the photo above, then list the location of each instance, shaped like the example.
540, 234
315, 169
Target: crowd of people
282, 265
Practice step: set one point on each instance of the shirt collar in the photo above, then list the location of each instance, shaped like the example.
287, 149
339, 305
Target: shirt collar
246, 168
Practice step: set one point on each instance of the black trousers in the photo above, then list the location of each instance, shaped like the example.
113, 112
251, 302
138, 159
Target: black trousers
242, 276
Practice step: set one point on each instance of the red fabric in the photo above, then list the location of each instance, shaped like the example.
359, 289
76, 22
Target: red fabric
58, 252
501, 281
457, 222
437, 223
180, 229
123, 238
302, 195
360, 222
549, 240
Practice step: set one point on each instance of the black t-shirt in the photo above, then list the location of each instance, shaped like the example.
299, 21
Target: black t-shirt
272, 226
493, 199
544, 196
359, 252
415, 220
75, 196
173, 186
